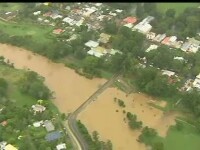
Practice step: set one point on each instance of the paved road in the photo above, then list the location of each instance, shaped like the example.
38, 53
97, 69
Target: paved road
71, 123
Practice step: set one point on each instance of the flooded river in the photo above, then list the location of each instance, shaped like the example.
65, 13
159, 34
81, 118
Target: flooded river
71, 89
103, 115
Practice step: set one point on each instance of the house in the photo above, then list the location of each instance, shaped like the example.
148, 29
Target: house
196, 83
143, 27
97, 51
104, 38
58, 31
151, 47
10, 147
68, 20
185, 46
2, 145
61, 146
159, 37
148, 19
118, 10
37, 13
4, 123
89, 11
166, 41
38, 108
187, 86
40, 19
179, 58
98, 4
177, 44
38, 124
112, 14
48, 14
91, 44
151, 35
55, 16
129, 25
113, 51
168, 73
49, 125
131, 20
46, 21
53, 136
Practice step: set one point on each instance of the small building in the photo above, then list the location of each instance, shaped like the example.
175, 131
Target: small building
185, 46
38, 124
159, 37
97, 51
10, 147
58, 31
151, 35
196, 83
129, 25
131, 20
4, 123
143, 27
49, 125
179, 58
151, 47
53, 136
166, 41
119, 10
104, 38
37, 13
3, 145
113, 51
168, 73
91, 44
38, 108
61, 146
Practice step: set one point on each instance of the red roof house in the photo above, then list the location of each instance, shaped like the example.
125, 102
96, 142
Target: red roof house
130, 20
58, 31
166, 41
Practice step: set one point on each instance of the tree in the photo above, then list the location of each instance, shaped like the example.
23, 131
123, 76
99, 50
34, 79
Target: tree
150, 8
158, 146
139, 10
170, 13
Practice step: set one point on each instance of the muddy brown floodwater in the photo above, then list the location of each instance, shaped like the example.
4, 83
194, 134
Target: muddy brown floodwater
71, 89
103, 117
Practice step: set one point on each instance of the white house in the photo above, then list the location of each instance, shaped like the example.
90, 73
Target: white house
143, 27
61, 146
38, 124
168, 73
37, 13
91, 44
196, 82
151, 47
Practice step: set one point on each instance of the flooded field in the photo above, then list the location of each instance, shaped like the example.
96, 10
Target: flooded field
106, 116
71, 89
103, 115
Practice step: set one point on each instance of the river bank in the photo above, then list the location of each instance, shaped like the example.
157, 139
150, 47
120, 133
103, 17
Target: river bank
70, 89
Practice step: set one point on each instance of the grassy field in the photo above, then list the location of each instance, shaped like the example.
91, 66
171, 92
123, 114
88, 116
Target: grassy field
179, 7
38, 33
11, 6
12, 76
185, 139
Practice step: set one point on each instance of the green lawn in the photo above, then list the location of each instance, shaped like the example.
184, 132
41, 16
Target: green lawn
186, 139
179, 7
39, 33
12, 76
11, 6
